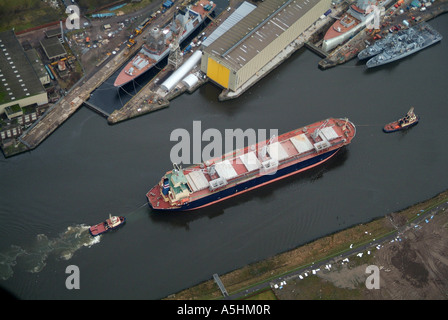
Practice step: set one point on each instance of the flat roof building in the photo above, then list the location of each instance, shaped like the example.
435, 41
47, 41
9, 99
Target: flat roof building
19, 83
53, 33
53, 48
246, 47
38, 66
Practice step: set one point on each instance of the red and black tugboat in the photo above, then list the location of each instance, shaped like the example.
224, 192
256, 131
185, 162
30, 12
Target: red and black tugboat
409, 120
112, 223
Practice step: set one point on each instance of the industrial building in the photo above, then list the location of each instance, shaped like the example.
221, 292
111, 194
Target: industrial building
53, 48
53, 33
38, 66
19, 83
258, 37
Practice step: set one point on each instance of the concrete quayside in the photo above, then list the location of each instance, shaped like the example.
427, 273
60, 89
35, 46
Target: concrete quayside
153, 96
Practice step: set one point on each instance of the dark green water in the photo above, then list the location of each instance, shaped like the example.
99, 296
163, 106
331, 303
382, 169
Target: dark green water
88, 169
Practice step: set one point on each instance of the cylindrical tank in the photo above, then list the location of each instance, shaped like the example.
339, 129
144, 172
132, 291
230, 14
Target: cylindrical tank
190, 81
180, 73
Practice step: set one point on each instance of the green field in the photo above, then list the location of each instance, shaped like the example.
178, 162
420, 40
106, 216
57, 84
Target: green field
24, 14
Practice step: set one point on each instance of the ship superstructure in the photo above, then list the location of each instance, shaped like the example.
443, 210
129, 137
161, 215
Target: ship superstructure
354, 20
158, 42
376, 48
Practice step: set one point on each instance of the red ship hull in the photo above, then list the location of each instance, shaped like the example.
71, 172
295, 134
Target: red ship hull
395, 126
105, 226
124, 78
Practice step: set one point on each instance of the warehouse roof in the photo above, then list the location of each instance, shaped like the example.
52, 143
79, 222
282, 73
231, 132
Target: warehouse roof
53, 33
36, 63
243, 10
53, 48
17, 77
258, 29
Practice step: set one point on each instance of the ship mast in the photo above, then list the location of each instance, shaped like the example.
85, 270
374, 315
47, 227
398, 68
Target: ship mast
175, 57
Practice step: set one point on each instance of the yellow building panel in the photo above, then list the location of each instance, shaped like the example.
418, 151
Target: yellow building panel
218, 73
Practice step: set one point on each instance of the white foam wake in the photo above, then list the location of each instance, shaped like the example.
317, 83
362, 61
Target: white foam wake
34, 258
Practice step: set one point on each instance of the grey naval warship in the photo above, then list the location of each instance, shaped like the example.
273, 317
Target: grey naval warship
376, 48
401, 44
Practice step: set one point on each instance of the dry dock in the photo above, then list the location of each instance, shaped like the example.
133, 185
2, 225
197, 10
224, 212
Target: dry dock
66, 106
80, 92
150, 98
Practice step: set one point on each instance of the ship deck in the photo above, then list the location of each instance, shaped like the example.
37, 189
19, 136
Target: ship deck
199, 7
405, 43
126, 75
338, 28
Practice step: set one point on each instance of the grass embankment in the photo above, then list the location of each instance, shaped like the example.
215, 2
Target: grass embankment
25, 14
313, 252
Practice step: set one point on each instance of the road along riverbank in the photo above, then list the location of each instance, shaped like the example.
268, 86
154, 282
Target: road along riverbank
328, 251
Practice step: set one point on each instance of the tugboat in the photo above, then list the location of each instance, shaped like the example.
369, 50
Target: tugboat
409, 120
112, 223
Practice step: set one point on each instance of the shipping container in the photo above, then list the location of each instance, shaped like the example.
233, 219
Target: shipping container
167, 4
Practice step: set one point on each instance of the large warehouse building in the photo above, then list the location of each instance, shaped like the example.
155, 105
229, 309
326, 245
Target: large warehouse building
19, 83
247, 46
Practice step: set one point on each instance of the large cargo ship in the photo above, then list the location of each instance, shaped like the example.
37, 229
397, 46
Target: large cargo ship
158, 41
405, 43
354, 20
251, 167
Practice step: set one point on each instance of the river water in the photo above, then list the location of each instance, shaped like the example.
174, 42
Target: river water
87, 169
